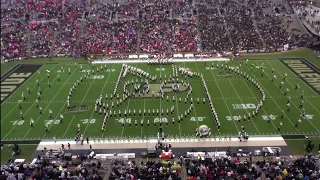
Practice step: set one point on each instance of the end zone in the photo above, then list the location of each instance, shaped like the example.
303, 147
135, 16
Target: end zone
15, 78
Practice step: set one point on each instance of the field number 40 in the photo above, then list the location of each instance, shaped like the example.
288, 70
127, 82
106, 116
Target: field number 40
197, 118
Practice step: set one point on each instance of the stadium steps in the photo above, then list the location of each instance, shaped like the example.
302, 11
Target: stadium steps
257, 30
28, 42
54, 40
138, 37
225, 25
184, 171
108, 164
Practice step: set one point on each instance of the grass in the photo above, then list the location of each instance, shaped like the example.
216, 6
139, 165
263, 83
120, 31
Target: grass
226, 93
26, 153
297, 147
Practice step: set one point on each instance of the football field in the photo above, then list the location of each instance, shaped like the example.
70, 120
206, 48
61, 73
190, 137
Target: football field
233, 96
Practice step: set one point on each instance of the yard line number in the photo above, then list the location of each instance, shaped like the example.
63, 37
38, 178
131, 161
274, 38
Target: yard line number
157, 120
51, 121
197, 118
88, 121
244, 106
268, 117
107, 70
17, 122
96, 77
160, 69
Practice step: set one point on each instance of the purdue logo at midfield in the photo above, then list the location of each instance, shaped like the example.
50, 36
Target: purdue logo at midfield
15, 78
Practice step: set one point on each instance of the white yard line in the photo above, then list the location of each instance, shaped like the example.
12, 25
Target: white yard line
160, 119
176, 100
80, 103
128, 107
62, 106
242, 103
258, 102
194, 107
49, 103
105, 83
11, 69
144, 107
295, 104
224, 99
17, 90
275, 102
26, 111
294, 87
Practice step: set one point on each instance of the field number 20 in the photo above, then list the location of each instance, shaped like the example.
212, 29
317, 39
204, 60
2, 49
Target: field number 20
52, 121
244, 106
308, 116
234, 118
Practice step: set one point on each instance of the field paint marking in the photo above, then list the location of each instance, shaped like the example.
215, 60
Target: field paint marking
63, 104
127, 105
176, 100
276, 103
11, 69
242, 103
144, 107
295, 104
27, 110
194, 107
245, 82
49, 103
224, 99
208, 92
294, 87
19, 88
80, 103
104, 85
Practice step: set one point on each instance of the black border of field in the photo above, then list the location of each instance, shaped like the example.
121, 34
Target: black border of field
306, 63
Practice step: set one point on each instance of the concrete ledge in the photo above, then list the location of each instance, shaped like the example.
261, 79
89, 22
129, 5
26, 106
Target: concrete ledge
177, 143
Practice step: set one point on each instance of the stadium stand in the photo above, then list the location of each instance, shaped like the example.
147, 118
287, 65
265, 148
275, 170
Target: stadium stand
309, 13
49, 167
64, 28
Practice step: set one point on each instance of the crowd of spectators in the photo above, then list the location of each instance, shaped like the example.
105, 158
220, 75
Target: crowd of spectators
162, 170
309, 12
303, 168
50, 166
52, 27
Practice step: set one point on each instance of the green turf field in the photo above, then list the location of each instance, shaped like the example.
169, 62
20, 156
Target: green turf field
232, 96
26, 153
